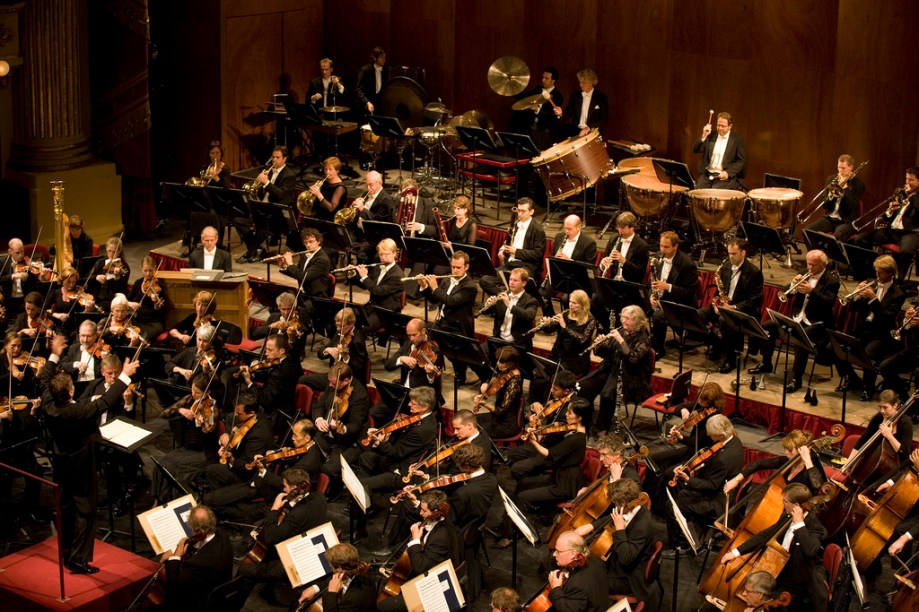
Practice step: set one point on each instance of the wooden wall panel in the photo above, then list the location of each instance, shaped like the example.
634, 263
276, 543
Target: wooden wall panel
424, 34
352, 29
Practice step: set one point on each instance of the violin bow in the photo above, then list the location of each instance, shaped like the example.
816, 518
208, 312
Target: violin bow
145, 293
41, 315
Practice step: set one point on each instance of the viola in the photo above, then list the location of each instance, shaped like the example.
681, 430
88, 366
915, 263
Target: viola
42, 324
541, 602
689, 423
696, 462
434, 459
202, 320
26, 360
131, 332
236, 437
114, 267
20, 402
548, 429
36, 267
99, 349
132, 388
208, 361
344, 344
396, 424
424, 352
494, 385
281, 454
203, 412
434, 483
152, 289
339, 407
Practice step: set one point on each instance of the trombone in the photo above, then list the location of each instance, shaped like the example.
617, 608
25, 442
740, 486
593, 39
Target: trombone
833, 191
877, 212
783, 297
851, 296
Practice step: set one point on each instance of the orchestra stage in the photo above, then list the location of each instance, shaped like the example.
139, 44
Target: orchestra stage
29, 580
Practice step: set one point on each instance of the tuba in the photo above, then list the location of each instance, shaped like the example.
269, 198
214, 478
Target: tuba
408, 200
306, 201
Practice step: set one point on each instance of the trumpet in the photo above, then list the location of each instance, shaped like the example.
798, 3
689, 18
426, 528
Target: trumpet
544, 323
896, 334
491, 301
851, 296
280, 256
783, 297
418, 277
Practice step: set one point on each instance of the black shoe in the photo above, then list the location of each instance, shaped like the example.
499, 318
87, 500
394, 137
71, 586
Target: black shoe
866, 396
793, 386
246, 258
763, 368
726, 367
679, 551
851, 383
82, 568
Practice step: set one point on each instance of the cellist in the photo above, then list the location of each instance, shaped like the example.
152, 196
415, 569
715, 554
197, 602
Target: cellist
800, 533
908, 529
633, 539
897, 436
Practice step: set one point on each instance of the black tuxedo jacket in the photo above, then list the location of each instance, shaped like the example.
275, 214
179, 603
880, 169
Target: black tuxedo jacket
257, 441
191, 580
806, 547
457, 307
885, 313
585, 590
406, 446
355, 418
632, 548
734, 161
441, 544
424, 214
851, 196
585, 249
97, 388
308, 512
282, 190
533, 251
545, 118
278, 391
684, 276
72, 355
597, 115
315, 277
361, 596
381, 209
635, 268
366, 87
357, 354
819, 308
523, 314
388, 292
471, 500
725, 464
417, 376
748, 295
910, 217
222, 260
316, 86
272, 483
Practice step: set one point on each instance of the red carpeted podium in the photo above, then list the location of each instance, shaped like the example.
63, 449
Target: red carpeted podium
29, 579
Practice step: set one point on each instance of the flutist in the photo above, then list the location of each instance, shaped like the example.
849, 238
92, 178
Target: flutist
384, 285
312, 272
902, 218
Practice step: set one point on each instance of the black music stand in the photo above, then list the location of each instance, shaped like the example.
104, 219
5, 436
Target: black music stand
480, 263
335, 237
521, 144
394, 395
375, 231
394, 322
614, 293
861, 261
461, 349
167, 392
777, 180
389, 127
545, 368
186, 199
741, 322
851, 350
229, 204
792, 334
152, 362
826, 243
685, 319
477, 140
525, 365
273, 220
85, 265
566, 275
763, 238
324, 311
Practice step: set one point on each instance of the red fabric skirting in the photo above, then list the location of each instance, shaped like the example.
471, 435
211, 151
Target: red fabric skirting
168, 262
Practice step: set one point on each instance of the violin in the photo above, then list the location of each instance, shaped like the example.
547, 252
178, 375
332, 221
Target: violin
208, 361
236, 437
99, 349
548, 429
689, 423
396, 424
42, 324
202, 320
433, 460
20, 402
425, 352
131, 332
344, 342
38, 268
281, 454
132, 388
203, 412
258, 366
114, 268
26, 360
694, 464
552, 407
435, 483
494, 385
340, 407
260, 548
152, 289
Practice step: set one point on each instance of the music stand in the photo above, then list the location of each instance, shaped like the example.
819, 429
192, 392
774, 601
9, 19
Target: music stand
763, 238
522, 144
777, 180
826, 243
273, 220
460, 349
861, 261
480, 263
792, 334
375, 231
152, 361
394, 395
525, 366
85, 265
394, 322
743, 323
324, 311
389, 127
167, 392
334, 235
186, 199
566, 275
615, 293
541, 368
230, 204
851, 350
685, 319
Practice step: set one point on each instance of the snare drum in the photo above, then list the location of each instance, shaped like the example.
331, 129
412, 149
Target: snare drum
581, 156
716, 210
648, 197
775, 206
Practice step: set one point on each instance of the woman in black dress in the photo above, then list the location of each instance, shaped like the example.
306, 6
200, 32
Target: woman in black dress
504, 420
147, 302
462, 229
110, 275
332, 195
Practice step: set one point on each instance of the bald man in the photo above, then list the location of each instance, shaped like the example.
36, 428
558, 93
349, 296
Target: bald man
15, 285
574, 245
377, 205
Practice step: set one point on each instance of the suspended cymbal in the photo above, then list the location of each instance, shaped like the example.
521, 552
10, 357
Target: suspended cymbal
508, 75
334, 109
473, 118
437, 107
526, 103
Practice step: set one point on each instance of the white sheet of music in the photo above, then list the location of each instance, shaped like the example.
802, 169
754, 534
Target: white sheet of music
123, 433
303, 556
165, 525
353, 484
681, 522
438, 590
431, 593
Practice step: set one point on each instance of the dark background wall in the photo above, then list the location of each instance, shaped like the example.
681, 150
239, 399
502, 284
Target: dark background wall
805, 81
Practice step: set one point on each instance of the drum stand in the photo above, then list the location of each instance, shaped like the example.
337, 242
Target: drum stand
568, 175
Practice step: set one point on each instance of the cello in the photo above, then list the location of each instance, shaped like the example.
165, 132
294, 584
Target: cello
602, 544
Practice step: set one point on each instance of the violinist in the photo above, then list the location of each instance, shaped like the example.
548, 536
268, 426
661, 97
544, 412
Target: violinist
69, 298
346, 346
276, 395
799, 532
350, 588
247, 434
295, 510
312, 272
896, 436
193, 360
701, 489
624, 377
110, 275
563, 457
808, 471
15, 280
563, 389
465, 427
340, 415
194, 447
235, 500
147, 299
579, 583
205, 306
21, 367
384, 285
34, 324
633, 537
433, 540
209, 256
74, 429
419, 360
502, 396
198, 564
454, 298
287, 320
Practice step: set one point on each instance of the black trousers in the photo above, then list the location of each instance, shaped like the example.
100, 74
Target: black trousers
76, 473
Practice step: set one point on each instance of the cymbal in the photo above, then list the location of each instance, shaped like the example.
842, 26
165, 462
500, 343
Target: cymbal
472, 118
437, 107
525, 103
508, 75
334, 109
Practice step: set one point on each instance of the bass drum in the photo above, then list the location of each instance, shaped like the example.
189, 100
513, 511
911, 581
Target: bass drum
561, 166
404, 99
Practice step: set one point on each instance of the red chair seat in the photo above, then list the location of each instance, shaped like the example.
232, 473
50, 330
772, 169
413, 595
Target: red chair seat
892, 248
162, 338
656, 403
246, 345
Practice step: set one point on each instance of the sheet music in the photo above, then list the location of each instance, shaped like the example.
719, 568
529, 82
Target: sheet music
123, 433
165, 525
620, 606
431, 592
856, 577
518, 518
354, 485
303, 556
681, 521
